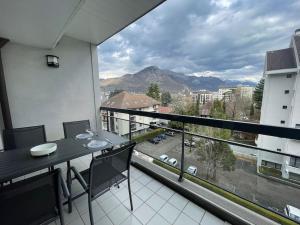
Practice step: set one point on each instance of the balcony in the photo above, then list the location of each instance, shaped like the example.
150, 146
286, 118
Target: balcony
153, 202
249, 191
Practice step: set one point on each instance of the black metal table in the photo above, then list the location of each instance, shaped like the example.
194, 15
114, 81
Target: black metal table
19, 162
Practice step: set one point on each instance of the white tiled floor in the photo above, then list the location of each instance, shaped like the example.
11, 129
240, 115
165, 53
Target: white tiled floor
154, 204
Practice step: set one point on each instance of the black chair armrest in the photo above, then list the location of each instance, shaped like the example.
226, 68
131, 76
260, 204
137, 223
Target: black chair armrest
80, 178
64, 187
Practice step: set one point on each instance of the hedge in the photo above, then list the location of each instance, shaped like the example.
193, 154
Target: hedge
270, 171
149, 135
232, 197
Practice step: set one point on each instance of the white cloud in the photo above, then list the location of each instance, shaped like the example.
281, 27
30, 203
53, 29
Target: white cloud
225, 38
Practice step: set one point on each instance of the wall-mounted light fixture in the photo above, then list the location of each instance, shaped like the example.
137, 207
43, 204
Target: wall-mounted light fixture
52, 61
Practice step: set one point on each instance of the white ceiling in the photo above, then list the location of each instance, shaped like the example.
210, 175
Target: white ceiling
41, 23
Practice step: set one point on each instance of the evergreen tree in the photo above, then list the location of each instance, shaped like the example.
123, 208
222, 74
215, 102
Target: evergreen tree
166, 98
258, 94
153, 91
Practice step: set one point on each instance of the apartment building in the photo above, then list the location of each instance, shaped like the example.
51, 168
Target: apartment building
281, 107
203, 96
125, 100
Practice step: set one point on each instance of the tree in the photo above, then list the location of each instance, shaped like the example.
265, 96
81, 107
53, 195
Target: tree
166, 98
217, 110
216, 154
258, 94
153, 91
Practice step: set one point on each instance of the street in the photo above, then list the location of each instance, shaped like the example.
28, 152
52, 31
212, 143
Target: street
243, 181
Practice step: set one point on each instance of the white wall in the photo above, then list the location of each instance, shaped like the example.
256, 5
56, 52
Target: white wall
39, 94
1, 128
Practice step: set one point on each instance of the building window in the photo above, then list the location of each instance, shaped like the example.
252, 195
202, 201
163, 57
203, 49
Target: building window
284, 106
286, 91
271, 164
282, 121
278, 149
295, 162
289, 75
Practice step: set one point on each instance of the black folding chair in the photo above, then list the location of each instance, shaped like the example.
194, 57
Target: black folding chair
36, 200
71, 129
106, 171
23, 137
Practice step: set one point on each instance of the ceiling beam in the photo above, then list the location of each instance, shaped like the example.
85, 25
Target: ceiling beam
3, 41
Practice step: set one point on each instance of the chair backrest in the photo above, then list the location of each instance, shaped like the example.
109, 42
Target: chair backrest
23, 137
106, 169
32, 201
71, 129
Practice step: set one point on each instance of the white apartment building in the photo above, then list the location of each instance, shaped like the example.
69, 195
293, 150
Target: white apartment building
125, 100
203, 96
281, 107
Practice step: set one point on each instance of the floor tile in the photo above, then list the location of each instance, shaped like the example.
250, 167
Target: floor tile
209, 219
82, 204
165, 192
144, 193
178, 201
106, 195
156, 202
131, 220
185, 220
135, 186
77, 222
71, 217
110, 203
158, 220
136, 202
123, 194
118, 215
98, 213
194, 211
144, 213
169, 212
145, 179
104, 221
154, 185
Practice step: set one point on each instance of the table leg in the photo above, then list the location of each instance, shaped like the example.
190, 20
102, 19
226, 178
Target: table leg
69, 184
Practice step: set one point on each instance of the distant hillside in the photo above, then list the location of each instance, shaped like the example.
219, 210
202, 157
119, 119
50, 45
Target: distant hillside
167, 80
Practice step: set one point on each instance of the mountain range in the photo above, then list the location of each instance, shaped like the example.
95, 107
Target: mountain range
168, 81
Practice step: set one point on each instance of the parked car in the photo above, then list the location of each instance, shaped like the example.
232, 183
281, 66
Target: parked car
292, 212
155, 140
188, 143
170, 133
153, 125
172, 162
162, 136
164, 158
192, 170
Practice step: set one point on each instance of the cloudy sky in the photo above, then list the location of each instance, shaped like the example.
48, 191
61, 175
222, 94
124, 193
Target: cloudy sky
224, 38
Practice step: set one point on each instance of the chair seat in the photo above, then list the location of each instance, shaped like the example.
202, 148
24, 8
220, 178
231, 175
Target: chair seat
30, 206
103, 187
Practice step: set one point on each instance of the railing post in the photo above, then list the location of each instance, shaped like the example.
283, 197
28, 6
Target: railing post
107, 115
129, 127
182, 156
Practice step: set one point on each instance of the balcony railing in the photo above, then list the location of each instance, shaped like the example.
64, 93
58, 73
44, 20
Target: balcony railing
251, 176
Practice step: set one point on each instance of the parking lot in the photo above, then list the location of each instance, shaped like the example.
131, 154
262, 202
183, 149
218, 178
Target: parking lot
243, 181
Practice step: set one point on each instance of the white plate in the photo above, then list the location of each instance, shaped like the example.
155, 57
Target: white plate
97, 144
44, 149
84, 136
